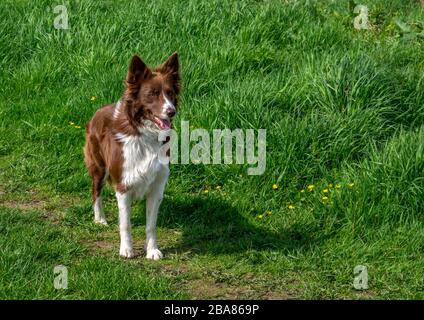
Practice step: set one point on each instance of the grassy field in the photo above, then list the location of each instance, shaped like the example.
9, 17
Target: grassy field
344, 113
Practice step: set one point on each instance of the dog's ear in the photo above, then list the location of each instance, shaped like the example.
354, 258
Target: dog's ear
137, 71
171, 67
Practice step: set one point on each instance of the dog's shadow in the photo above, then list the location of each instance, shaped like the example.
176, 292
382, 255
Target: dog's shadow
214, 226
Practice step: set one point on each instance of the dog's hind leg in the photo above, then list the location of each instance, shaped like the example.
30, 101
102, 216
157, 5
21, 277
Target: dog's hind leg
98, 179
97, 172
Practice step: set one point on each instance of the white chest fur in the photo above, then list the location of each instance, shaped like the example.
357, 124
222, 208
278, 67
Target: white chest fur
141, 167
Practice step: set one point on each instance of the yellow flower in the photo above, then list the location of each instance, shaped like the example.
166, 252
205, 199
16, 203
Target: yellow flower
325, 190
324, 198
71, 123
311, 187
291, 206
260, 216
330, 185
218, 187
269, 212
205, 191
302, 191
338, 186
350, 185
93, 98
77, 127
275, 186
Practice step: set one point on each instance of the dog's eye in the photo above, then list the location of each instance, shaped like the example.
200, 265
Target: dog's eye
154, 93
170, 93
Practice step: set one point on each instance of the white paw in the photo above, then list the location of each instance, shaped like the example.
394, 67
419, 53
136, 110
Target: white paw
126, 252
101, 221
154, 254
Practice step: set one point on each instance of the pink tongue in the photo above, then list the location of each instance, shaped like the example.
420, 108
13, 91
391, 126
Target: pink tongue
163, 124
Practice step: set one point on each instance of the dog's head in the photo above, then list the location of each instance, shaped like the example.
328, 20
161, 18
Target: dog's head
152, 95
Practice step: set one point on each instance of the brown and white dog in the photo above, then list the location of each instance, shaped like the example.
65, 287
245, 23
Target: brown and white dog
122, 146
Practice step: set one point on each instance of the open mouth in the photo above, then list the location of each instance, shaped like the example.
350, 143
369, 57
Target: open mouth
164, 124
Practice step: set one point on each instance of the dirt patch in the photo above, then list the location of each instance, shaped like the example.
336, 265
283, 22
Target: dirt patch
51, 207
366, 294
52, 215
175, 271
24, 205
100, 246
208, 288
277, 295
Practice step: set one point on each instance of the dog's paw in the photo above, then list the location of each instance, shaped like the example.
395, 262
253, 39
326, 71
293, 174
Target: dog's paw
154, 254
126, 252
101, 221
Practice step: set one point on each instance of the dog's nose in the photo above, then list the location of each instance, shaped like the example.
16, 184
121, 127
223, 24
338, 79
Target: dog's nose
170, 112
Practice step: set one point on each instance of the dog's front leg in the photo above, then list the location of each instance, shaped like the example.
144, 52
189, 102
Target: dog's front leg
153, 201
124, 204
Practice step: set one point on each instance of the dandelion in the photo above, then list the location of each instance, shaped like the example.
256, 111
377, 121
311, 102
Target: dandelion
71, 123
291, 206
269, 212
324, 198
302, 191
350, 185
311, 187
260, 216
275, 186
330, 185
93, 98
338, 186
325, 190
218, 187
206, 191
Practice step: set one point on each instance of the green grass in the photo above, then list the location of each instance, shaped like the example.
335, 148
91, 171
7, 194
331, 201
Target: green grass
340, 106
